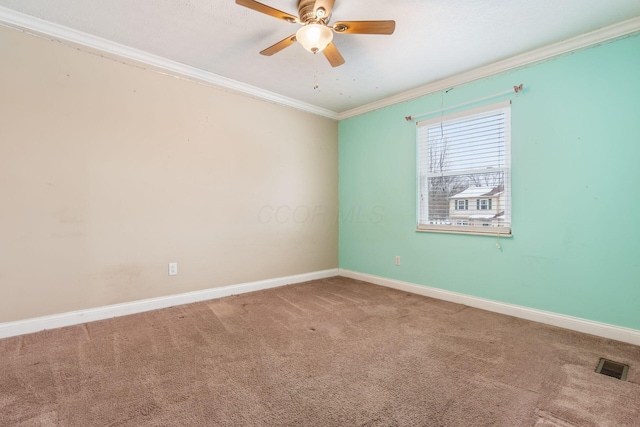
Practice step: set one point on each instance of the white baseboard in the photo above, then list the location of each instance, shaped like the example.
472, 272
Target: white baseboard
604, 330
37, 324
27, 326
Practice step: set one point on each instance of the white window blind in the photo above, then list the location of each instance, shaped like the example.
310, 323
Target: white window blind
464, 171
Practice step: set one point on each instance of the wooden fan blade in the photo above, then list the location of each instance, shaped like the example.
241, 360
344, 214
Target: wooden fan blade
365, 27
327, 5
267, 10
333, 55
279, 46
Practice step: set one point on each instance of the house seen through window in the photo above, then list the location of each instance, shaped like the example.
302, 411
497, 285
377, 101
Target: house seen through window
464, 171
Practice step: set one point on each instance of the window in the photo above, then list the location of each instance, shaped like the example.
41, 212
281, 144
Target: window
483, 204
462, 205
464, 161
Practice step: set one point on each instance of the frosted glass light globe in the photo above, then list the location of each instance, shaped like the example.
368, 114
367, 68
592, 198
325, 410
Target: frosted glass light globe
314, 37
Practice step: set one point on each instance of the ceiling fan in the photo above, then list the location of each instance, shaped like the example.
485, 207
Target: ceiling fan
316, 34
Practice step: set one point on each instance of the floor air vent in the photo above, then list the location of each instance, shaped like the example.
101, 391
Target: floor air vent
612, 369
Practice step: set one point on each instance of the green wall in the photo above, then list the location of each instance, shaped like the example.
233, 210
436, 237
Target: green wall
575, 248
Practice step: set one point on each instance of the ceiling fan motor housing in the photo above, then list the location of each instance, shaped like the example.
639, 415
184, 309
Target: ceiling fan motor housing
307, 14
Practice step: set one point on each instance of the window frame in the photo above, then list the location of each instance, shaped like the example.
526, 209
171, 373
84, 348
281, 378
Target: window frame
451, 227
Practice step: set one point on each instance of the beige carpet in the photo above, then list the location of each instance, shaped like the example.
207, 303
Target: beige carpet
334, 352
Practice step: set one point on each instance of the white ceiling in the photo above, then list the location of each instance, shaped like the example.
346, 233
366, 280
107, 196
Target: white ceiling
434, 39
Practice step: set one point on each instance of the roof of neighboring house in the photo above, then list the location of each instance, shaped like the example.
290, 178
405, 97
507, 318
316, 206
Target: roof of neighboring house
472, 192
499, 215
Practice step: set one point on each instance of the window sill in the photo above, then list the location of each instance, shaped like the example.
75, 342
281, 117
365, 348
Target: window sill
477, 231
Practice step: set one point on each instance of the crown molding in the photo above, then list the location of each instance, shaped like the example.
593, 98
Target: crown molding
16, 20
545, 53
20, 21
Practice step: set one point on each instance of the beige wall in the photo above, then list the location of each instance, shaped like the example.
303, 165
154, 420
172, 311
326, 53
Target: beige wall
108, 172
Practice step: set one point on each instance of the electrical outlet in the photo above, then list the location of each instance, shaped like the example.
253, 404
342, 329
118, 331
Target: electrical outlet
173, 269
397, 260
